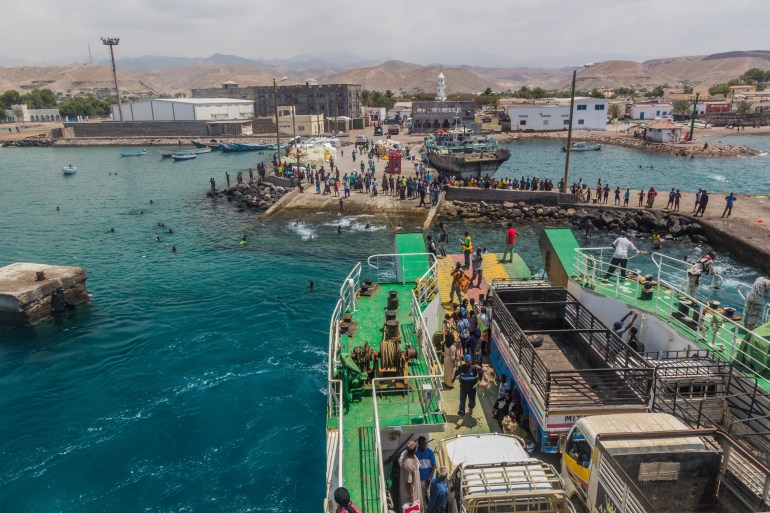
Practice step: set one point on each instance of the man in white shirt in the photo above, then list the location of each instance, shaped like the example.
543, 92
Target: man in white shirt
620, 257
755, 301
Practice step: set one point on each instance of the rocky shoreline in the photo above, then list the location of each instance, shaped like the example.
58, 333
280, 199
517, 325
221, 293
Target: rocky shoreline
632, 220
694, 149
258, 196
29, 142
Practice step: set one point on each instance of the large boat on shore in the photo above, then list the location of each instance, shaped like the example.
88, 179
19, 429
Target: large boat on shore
386, 388
462, 154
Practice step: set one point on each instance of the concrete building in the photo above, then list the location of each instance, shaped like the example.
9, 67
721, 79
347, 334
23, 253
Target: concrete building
663, 131
185, 109
307, 124
430, 116
553, 114
329, 100
643, 111
22, 113
489, 121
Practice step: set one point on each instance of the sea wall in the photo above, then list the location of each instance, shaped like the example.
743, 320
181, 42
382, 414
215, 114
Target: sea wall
27, 290
468, 194
140, 129
258, 195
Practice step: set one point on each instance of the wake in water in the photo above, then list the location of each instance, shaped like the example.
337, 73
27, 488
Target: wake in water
304, 230
719, 178
356, 223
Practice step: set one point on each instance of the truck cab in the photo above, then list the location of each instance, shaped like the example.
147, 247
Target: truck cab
492, 473
654, 463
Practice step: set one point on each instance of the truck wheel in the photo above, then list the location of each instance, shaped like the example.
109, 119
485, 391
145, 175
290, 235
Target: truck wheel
577, 502
535, 340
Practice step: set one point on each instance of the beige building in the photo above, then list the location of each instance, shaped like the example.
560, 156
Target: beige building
307, 125
489, 121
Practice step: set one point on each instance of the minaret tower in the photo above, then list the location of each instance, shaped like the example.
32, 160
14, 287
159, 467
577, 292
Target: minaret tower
441, 88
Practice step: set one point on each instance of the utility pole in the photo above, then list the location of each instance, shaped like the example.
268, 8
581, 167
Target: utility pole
296, 146
277, 125
694, 113
569, 129
111, 42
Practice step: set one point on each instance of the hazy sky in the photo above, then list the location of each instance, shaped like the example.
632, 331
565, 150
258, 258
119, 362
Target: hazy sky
553, 32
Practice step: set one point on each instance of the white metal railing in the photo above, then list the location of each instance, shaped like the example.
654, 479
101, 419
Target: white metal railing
427, 284
707, 327
427, 349
743, 290
349, 288
398, 268
418, 397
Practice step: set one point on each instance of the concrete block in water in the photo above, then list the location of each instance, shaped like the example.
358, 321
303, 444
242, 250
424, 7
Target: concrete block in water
24, 298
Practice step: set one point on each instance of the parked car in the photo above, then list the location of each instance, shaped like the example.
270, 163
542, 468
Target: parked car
361, 139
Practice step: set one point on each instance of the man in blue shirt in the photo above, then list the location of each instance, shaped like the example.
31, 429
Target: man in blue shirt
729, 202
439, 495
427, 465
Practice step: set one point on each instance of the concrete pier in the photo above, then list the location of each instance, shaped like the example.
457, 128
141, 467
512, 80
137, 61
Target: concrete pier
27, 296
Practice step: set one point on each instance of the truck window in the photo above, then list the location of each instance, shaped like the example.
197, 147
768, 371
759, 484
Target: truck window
578, 448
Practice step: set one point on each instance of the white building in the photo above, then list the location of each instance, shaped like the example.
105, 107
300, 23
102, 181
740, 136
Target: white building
663, 131
185, 109
441, 88
306, 125
20, 113
650, 110
553, 114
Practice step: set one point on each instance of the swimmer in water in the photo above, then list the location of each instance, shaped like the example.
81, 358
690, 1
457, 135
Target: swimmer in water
339, 228
170, 231
311, 286
112, 230
367, 226
173, 249
157, 239
57, 209
150, 202
141, 212
296, 222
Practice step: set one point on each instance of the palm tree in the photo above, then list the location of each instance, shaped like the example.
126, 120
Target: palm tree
614, 110
366, 97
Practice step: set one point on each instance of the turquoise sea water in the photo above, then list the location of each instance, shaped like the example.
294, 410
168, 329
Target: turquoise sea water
619, 166
193, 381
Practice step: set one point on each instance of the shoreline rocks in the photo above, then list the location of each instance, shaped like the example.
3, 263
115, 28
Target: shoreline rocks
257, 196
29, 142
637, 220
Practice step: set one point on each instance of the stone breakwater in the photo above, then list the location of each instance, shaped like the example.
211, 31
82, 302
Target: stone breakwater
256, 196
694, 149
29, 142
633, 220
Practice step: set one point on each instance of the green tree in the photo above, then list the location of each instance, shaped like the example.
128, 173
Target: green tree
623, 91
744, 107
614, 110
10, 97
90, 106
39, 99
720, 89
595, 93
656, 92
754, 75
366, 97
681, 107
487, 91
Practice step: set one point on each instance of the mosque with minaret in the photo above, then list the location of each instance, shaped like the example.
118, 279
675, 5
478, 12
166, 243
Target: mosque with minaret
430, 116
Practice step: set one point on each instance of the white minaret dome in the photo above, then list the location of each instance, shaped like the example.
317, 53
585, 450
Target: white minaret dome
440, 87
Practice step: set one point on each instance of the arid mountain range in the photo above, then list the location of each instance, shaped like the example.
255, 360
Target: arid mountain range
398, 76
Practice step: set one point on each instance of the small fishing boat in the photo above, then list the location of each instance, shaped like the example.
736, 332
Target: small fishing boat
583, 146
236, 147
198, 151
183, 156
167, 153
213, 146
134, 153
69, 169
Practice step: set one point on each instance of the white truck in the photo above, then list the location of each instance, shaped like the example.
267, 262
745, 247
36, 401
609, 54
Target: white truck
654, 463
492, 473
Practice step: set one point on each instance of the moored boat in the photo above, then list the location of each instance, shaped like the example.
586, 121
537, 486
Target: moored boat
212, 146
183, 156
583, 146
460, 153
237, 147
167, 153
134, 153
69, 169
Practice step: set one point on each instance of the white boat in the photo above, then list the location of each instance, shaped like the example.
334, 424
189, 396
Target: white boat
183, 156
583, 146
69, 169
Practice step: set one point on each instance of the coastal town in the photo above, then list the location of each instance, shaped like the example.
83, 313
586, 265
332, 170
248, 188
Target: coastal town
391, 288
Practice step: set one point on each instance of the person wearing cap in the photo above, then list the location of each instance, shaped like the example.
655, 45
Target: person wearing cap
344, 504
469, 376
439, 493
410, 491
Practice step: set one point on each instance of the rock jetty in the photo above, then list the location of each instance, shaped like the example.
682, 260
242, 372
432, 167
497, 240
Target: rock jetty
635, 220
254, 196
29, 142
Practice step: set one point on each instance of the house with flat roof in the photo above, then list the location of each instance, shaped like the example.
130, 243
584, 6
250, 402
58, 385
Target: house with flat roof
552, 114
663, 131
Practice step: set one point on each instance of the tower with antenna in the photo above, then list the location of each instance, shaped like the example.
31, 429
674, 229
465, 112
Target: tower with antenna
441, 87
111, 42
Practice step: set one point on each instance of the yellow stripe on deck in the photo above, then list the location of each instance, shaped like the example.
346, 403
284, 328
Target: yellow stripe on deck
493, 269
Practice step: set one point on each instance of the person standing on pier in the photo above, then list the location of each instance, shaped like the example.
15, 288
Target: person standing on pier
702, 203
626, 197
458, 278
677, 199
510, 242
469, 376
671, 198
467, 247
755, 301
697, 200
729, 202
641, 197
477, 266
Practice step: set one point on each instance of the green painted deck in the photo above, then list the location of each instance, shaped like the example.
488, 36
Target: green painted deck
360, 467
662, 304
413, 266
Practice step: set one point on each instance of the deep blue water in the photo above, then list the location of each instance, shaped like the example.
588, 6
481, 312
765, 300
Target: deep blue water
192, 381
